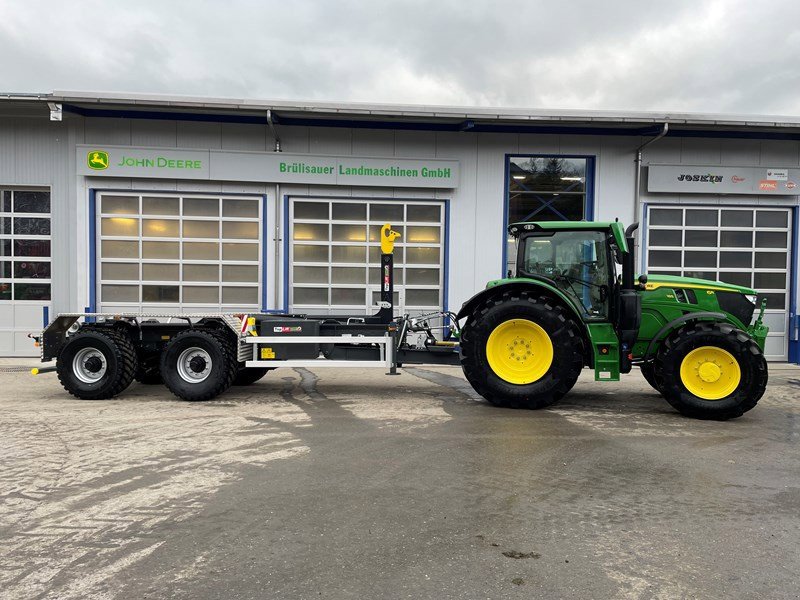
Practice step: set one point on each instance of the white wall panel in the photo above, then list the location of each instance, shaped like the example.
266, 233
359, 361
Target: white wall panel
147, 132
108, 131
199, 135
238, 136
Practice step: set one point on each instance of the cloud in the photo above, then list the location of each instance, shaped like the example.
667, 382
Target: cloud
705, 56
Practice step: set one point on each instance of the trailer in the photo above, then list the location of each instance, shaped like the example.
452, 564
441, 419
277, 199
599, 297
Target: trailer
574, 302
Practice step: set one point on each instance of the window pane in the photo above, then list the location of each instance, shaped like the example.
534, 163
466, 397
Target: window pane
349, 254
422, 276
246, 273
126, 271
349, 212
239, 208
665, 216
201, 207
349, 233
736, 278
345, 296
304, 253
310, 295
5, 291
234, 251
113, 249
6, 206
387, 213
552, 173
419, 256
31, 247
664, 258
311, 275
700, 259
5, 225
239, 295
770, 281
240, 231
707, 275
374, 276
201, 229
772, 218
200, 250
119, 293
739, 260
737, 218
770, 239
426, 235
771, 260
423, 213
201, 272
31, 270
545, 207
160, 293
774, 301
160, 272
31, 291
736, 239
422, 297
698, 218
31, 226
120, 226
160, 228
311, 210
160, 250
701, 238
119, 205
31, 202
5, 269
154, 205
666, 237
348, 275
201, 294
311, 232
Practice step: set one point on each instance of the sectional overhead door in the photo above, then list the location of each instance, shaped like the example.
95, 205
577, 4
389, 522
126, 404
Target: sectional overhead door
334, 254
188, 253
739, 245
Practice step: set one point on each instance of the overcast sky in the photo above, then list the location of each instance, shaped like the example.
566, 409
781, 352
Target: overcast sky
708, 56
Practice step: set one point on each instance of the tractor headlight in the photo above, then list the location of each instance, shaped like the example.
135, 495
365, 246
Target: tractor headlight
751, 298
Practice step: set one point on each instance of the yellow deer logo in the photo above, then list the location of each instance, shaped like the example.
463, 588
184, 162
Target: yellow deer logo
97, 160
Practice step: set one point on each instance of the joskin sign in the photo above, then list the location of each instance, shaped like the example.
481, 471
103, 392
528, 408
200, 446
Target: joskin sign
267, 167
683, 179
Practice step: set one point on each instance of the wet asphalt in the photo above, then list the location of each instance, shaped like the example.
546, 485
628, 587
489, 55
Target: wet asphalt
347, 484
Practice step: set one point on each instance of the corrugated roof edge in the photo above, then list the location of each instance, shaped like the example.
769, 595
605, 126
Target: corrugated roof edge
408, 110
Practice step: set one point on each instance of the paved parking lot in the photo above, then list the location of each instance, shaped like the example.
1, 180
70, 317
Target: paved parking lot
356, 485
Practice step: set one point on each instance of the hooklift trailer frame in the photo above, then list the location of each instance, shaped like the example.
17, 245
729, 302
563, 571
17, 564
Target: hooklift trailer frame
270, 341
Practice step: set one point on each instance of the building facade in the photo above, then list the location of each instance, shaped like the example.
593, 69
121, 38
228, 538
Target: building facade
157, 204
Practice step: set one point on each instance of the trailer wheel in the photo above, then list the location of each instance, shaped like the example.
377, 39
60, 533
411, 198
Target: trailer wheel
198, 364
712, 371
521, 351
96, 364
249, 375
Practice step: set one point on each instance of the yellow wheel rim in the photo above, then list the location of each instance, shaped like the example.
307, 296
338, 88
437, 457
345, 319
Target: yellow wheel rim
519, 351
710, 373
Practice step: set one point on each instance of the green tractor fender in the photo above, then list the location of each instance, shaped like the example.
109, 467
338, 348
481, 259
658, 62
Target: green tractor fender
513, 285
674, 324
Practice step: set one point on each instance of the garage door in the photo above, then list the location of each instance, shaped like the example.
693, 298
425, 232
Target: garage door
24, 267
743, 246
189, 253
335, 255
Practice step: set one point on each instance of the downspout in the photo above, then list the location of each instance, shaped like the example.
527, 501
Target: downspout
276, 301
638, 181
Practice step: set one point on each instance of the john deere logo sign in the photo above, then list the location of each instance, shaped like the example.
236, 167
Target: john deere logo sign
97, 160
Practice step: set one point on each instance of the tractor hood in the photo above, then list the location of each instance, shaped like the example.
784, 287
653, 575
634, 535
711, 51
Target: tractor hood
657, 281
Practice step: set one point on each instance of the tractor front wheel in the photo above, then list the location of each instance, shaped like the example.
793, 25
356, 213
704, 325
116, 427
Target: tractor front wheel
521, 351
712, 371
649, 374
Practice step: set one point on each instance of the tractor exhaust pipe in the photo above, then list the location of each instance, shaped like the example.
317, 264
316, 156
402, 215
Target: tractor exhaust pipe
629, 258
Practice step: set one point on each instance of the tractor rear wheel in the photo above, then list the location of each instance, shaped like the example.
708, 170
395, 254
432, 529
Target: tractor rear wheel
712, 371
198, 364
521, 351
96, 364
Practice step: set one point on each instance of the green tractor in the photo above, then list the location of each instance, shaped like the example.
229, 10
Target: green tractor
575, 302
